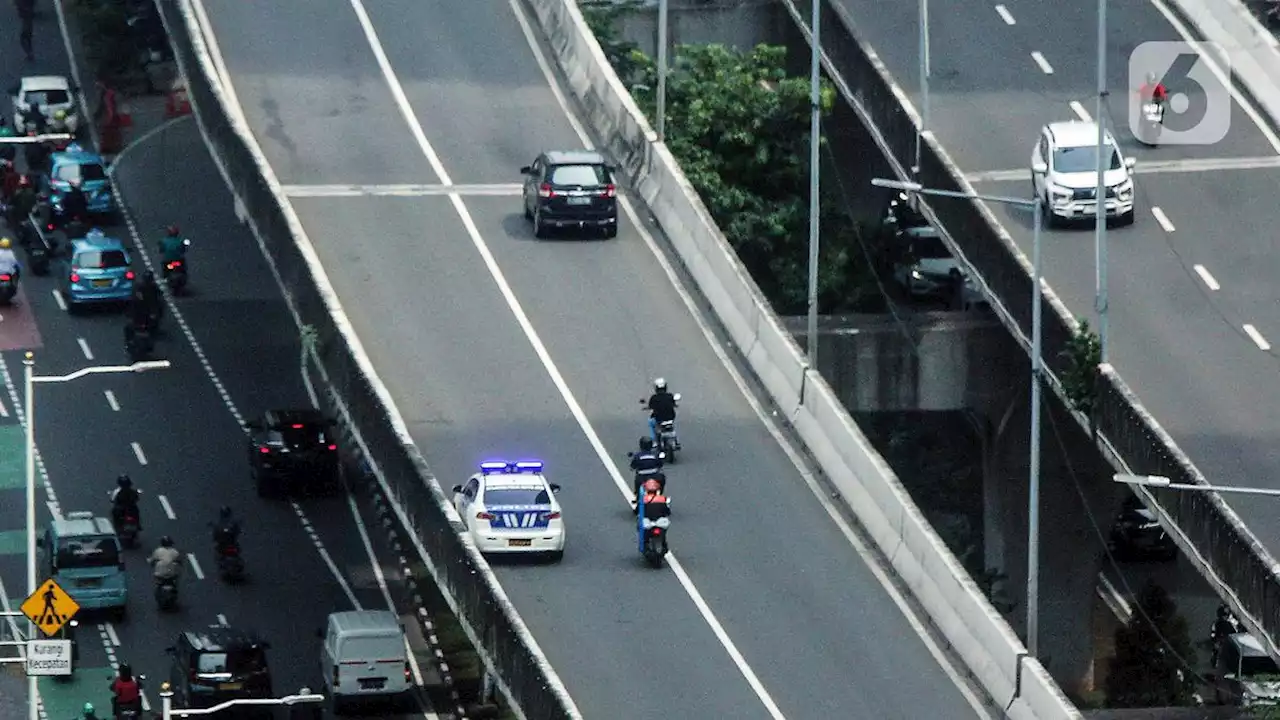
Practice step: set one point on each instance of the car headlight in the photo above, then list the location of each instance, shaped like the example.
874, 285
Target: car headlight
916, 274
1060, 193
1125, 190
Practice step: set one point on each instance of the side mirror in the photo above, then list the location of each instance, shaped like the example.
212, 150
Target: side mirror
457, 489
526, 170
169, 650
631, 454
1130, 163
555, 488
1039, 167
677, 397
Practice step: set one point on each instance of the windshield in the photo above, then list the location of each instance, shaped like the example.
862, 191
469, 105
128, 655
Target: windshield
296, 437
47, 97
78, 172
101, 259
240, 662
1263, 665
930, 248
588, 175
516, 496
1082, 159
87, 553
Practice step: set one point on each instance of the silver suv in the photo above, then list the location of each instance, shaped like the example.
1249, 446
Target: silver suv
1064, 173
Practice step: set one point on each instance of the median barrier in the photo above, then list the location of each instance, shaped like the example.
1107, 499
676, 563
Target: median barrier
429, 522
992, 652
1202, 524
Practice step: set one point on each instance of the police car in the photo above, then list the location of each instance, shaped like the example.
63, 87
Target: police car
510, 507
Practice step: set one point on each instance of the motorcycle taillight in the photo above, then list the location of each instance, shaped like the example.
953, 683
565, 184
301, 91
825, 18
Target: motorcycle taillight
230, 550
657, 531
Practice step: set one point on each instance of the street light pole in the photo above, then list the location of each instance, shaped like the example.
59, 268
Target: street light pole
924, 81
1160, 481
662, 71
167, 711
1101, 300
1037, 372
815, 145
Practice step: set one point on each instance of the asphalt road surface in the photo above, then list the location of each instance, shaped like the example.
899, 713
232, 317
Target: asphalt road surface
1192, 282
175, 432
756, 547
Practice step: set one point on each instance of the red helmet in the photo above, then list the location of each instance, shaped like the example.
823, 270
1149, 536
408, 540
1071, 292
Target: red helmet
652, 486
174, 231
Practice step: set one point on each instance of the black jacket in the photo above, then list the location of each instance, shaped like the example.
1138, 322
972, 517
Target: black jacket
662, 406
226, 532
646, 462
125, 498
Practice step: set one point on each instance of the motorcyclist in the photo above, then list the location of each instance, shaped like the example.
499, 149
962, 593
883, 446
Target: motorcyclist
75, 206
88, 713
8, 259
226, 529
657, 507
1224, 626
172, 246
147, 302
646, 463
1153, 90
166, 562
126, 693
662, 408
24, 201
9, 181
124, 500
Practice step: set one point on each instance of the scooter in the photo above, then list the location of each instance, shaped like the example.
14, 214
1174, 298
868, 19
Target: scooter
664, 434
127, 527
8, 288
1151, 124
132, 711
653, 543
175, 272
230, 563
167, 594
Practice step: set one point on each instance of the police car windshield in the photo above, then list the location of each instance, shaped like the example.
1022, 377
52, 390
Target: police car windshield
41, 98
101, 259
78, 172
1082, 159
516, 496
87, 553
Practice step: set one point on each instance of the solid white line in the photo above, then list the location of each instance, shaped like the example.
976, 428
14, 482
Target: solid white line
540, 349
168, 509
1256, 337
57, 297
84, 348
1208, 279
111, 634
1005, 15
137, 452
54, 511
1045, 67
195, 565
222, 619
1080, 112
111, 400
1163, 219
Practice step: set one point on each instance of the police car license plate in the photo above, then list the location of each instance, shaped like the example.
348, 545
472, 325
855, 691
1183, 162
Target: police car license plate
102, 283
578, 201
519, 543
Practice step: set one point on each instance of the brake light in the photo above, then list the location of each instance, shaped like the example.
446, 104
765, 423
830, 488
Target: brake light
553, 516
545, 191
49, 226
657, 531
230, 550
264, 450
174, 264
408, 674
333, 447
296, 426
609, 191
75, 278
484, 516
6, 278
128, 275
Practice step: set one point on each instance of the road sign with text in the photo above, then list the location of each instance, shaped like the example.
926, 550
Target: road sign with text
49, 657
50, 607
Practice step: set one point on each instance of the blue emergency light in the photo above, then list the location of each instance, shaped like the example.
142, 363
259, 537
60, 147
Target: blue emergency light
494, 467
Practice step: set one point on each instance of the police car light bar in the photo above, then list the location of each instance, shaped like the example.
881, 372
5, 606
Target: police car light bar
529, 465
493, 467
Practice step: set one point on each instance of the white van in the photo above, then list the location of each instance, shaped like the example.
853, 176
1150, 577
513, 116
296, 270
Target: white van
365, 657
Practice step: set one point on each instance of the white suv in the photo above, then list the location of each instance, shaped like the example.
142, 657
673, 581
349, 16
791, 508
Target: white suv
1064, 173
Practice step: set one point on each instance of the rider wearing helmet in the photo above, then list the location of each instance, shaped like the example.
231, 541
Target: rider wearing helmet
147, 302
126, 693
166, 561
124, 499
172, 246
656, 505
88, 713
1153, 89
8, 260
24, 201
647, 464
662, 407
226, 529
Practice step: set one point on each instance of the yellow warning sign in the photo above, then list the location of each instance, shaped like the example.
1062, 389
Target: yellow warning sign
50, 607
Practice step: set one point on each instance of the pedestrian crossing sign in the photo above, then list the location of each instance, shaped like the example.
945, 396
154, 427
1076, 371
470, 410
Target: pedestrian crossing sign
50, 607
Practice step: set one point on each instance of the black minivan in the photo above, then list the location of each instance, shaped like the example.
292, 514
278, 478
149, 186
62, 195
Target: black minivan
570, 190
217, 664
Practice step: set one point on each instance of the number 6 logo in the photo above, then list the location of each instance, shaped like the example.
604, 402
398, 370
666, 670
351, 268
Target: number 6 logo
1198, 109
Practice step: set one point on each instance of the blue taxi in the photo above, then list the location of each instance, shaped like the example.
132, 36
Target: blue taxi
83, 555
98, 271
75, 165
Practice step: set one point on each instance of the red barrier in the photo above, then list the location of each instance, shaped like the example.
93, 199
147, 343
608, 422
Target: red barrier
177, 103
112, 117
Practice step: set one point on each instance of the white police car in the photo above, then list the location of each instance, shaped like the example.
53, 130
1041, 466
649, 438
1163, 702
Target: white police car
509, 507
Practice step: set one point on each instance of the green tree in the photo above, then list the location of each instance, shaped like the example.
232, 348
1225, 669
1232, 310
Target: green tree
1083, 354
1153, 651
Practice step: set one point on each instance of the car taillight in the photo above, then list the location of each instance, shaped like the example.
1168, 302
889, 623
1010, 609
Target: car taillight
6, 278
49, 226
545, 191
75, 278
265, 450
296, 426
128, 275
609, 191
484, 516
333, 447
553, 516
335, 676
408, 674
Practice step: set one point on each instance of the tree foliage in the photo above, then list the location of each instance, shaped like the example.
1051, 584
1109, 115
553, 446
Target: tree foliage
1083, 354
739, 127
1152, 650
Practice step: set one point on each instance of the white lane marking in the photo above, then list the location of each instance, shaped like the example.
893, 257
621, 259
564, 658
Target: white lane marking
1150, 167
222, 620
111, 634
1256, 337
1208, 279
4, 411
84, 348
54, 511
320, 191
540, 349
137, 452
324, 554
1224, 79
1045, 67
57, 297
111, 400
1163, 219
1080, 112
195, 565
1005, 15
836, 513
168, 509
146, 704
111, 169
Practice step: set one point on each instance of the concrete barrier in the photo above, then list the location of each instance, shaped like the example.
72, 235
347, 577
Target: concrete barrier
427, 519
976, 632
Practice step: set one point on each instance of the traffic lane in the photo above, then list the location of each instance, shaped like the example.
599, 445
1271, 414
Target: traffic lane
476, 88
470, 389
319, 107
613, 322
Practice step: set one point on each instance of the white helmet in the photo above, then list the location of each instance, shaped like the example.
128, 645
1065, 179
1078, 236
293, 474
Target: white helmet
659, 385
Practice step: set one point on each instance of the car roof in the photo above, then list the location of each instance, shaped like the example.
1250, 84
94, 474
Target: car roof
299, 416
45, 82
219, 638
365, 622
80, 524
82, 157
91, 243
574, 157
512, 480
1076, 133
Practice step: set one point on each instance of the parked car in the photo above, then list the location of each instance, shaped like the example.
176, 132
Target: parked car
1136, 534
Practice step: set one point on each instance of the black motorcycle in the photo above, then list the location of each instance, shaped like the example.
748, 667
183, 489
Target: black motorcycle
230, 561
139, 341
167, 594
127, 525
175, 275
8, 287
655, 545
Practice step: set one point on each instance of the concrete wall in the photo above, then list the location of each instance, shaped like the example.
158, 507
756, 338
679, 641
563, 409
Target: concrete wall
741, 24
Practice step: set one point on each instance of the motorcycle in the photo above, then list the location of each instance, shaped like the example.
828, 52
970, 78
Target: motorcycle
8, 288
230, 563
167, 594
132, 711
127, 526
1151, 123
139, 342
653, 539
664, 434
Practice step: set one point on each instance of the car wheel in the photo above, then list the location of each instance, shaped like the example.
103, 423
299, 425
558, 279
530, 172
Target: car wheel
1127, 218
539, 230
121, 613
555, 556
611, 232
528, 214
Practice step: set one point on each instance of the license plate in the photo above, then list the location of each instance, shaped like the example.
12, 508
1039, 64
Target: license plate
373, 684
230, 686
578, 201
88, 582
519, 543
102, 283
